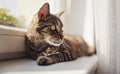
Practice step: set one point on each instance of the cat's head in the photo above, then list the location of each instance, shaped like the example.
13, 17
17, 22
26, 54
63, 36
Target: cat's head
50, 26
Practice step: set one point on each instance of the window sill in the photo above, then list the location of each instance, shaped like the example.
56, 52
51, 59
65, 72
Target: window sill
12, 31
83, 65
11, 42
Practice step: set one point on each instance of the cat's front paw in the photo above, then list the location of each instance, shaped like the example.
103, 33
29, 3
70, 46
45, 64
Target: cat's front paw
43, 60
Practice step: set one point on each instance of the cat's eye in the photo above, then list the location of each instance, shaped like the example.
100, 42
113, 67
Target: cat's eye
52, 27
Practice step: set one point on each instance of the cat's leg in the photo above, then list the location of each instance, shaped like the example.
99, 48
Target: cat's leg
54, 58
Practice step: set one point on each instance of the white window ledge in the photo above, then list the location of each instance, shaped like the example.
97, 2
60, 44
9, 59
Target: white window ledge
83, 65
12, 31
11, 42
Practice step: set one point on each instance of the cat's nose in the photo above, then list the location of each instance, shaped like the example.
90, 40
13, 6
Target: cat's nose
60, 36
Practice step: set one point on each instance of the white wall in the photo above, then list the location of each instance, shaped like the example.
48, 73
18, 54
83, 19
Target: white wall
79, 19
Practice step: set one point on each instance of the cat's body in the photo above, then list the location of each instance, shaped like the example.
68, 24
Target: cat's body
46, 43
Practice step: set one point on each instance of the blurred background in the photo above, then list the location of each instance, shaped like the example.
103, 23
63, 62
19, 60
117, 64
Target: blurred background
77, 19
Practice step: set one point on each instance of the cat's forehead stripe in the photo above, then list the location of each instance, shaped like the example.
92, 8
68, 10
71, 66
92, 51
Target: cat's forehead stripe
54, 20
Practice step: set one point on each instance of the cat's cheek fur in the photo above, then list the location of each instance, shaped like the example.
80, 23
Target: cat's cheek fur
52, 43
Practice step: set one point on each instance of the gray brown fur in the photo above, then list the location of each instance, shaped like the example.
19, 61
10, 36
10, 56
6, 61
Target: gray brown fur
65, 47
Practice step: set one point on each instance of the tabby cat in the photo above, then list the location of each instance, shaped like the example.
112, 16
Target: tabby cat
46, 43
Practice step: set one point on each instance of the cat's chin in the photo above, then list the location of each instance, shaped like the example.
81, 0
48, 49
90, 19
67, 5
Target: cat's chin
54, 43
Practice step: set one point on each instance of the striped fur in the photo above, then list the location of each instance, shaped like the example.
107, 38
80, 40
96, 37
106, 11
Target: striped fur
46, 43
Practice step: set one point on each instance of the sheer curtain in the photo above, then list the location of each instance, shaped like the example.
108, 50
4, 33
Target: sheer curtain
107, 20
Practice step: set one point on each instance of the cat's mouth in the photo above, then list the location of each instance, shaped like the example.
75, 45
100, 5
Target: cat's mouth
54, 42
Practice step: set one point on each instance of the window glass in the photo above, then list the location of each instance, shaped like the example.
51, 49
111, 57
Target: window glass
19, 13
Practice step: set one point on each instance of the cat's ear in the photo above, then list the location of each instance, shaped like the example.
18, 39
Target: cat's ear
59, 14
44, 11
